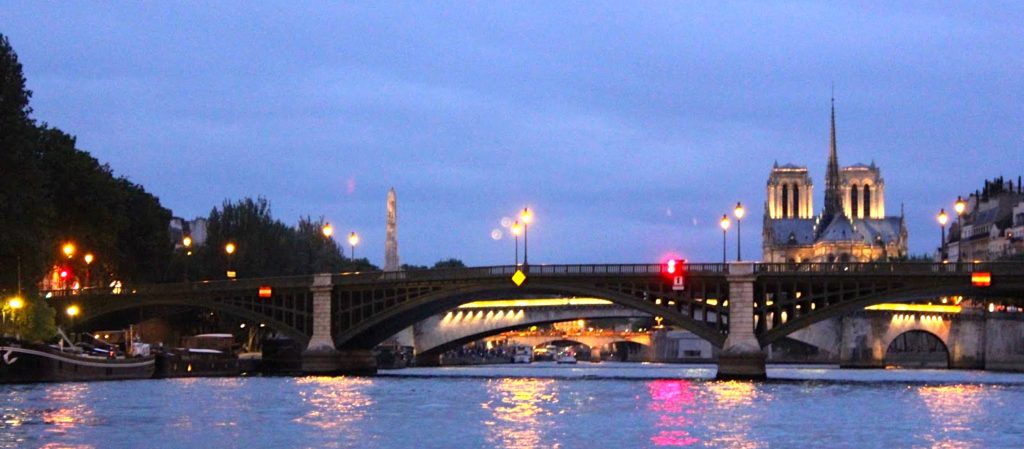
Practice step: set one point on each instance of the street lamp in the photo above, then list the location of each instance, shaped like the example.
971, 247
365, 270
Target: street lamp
229, 248
725, 228
72, 312
739, 212
88, 269
353, 240
186, 243
960, 206
328, 230
69, 249
526, 217
516, 230
943, 219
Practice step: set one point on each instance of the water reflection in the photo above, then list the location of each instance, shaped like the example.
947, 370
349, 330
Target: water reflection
672, 400
517, 406
335, 404
955, 408
733, 401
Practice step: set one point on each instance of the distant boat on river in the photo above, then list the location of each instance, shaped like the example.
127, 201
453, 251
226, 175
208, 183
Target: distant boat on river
23, 362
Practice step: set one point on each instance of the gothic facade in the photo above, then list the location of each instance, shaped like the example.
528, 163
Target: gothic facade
852, 225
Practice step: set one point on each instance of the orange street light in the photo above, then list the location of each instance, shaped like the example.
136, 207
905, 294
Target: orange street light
943, 219
327, 230
73, 311
724, 223
526, 217
69, 249
353, 240
186, 242
16, 303
516, 230
229, 248
959, 206
739, 212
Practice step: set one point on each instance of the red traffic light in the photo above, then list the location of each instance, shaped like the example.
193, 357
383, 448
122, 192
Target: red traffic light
64, 273
674, 267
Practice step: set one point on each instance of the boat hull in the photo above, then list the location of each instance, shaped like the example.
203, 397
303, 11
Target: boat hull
36, 363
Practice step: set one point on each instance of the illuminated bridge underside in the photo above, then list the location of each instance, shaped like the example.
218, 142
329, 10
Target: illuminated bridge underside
363, 309
440, 333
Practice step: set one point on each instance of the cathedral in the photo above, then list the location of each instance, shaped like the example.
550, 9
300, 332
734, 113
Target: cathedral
852, 227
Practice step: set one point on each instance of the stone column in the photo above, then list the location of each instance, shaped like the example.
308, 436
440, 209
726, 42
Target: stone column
741, 356
320, 355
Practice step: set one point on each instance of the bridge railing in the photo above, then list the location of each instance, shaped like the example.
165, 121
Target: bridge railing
904, 268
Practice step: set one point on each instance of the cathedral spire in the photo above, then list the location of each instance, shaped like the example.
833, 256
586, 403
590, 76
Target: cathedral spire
833, 202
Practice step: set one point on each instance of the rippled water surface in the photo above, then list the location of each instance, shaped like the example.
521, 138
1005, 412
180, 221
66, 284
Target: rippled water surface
537, 406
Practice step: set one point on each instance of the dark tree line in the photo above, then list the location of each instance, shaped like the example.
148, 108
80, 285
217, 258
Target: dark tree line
264, 246
52, 192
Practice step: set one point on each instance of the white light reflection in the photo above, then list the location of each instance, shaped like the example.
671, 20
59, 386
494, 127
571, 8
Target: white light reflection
738, 398
335, 404
956, 407
517, 406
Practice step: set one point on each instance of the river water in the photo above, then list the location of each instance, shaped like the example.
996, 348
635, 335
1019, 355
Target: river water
542, 405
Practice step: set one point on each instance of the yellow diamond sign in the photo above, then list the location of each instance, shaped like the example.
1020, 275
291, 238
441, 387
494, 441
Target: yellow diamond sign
519, 278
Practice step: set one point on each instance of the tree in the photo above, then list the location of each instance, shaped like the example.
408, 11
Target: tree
23, 208
448, 263
34, 321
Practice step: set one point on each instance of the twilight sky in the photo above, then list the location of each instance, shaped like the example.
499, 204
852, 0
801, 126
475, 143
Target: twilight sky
629, 129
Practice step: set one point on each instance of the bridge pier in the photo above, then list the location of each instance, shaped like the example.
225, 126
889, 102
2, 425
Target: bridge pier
320, 356
741, 357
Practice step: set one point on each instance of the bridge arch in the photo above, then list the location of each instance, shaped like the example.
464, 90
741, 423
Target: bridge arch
920, 348
841, 308
376, 328
428, 355
96, 310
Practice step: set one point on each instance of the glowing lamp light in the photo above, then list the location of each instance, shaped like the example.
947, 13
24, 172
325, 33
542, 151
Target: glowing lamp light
64, 274
725, 222
670, 266
73, 311
89, 258
981, 279
16, 303
328, 230
266, 291
353, 239
739, 211
186, 242
942, 217
959, 206
229, 248
527, 216
516, 229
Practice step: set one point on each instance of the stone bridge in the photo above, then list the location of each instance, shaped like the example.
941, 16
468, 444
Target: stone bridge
340, 317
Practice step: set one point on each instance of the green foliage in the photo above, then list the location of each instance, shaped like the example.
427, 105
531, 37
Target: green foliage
52, 192
448, 263
33, 322
264, 246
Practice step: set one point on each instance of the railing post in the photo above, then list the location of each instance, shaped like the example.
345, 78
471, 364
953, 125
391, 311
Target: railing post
741, 356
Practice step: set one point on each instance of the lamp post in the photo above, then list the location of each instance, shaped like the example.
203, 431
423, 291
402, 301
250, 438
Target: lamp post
943, 219
327, 230
15, 303
230, 248
353, 240
88, 269
186, 243
516, 230
72, 312
725, 229
526, 217
68, 249
960, 206
739, 212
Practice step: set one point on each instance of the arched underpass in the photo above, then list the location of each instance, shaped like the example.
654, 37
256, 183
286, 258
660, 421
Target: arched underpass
917, 349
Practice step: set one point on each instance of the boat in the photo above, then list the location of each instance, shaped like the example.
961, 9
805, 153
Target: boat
566, 357
522, 354
24, 362
203, 355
